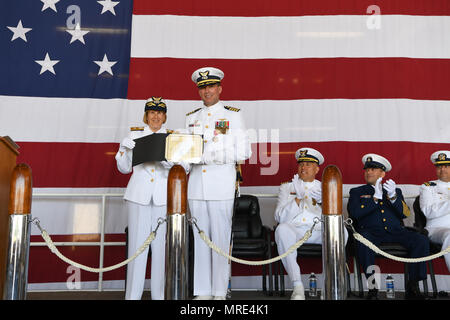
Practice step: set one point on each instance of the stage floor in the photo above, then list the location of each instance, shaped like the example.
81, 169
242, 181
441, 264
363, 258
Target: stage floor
236, 295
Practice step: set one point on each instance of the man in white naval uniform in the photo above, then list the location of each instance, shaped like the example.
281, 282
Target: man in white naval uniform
299, 202
211, 185
146, 197
435, 202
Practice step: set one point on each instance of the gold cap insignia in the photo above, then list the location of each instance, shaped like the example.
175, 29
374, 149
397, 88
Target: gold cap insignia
204, 75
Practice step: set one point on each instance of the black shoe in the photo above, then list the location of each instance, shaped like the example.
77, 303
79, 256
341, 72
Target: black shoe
372, 295
413, 291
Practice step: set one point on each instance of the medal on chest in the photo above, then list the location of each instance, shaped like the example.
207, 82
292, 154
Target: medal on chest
221, 127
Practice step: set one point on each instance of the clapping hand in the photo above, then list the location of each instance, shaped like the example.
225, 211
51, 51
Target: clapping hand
378, 189
299, 187
316, 194
390, 186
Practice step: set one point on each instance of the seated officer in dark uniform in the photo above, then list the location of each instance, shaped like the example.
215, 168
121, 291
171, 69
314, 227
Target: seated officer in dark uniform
378, 210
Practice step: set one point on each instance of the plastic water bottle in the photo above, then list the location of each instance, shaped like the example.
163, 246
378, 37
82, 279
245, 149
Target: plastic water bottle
228, 296
312, 285
390, 290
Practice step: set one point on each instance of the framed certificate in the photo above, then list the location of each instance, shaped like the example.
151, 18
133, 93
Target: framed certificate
184, 147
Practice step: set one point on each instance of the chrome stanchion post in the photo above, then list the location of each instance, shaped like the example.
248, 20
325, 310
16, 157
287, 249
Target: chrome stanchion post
176, 268
15, 287
333, 238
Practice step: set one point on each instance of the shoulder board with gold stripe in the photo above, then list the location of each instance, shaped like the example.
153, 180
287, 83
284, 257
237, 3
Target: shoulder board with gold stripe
285, 182
169, 131
137, 129
232, 109
429, 184
189, 113
406, 210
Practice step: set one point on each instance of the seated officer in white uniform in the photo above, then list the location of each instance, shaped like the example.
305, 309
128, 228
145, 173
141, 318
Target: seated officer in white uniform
146, 197
211, 185
435, 202
299, 202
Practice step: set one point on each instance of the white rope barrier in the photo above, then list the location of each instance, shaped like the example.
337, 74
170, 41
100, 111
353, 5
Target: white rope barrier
217, 249
374, 248
369, 244
307, 235
55, 250
291, 249
152, 236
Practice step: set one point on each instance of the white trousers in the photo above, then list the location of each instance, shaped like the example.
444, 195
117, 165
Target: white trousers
142, 220
286, 235
442, 236
211, 270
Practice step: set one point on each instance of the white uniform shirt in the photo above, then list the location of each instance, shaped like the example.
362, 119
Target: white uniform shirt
435, 204
287, 210
216, 179
149, 180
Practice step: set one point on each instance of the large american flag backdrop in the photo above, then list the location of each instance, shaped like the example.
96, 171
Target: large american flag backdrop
344, 77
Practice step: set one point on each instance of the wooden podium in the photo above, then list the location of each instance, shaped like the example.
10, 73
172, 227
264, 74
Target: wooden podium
8, 155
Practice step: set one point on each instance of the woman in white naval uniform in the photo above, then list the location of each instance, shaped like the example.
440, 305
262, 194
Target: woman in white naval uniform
299, 202
146, 197
435, 202
211, 185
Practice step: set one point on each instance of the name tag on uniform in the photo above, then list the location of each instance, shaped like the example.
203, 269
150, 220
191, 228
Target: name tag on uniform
367, 196
196, 127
